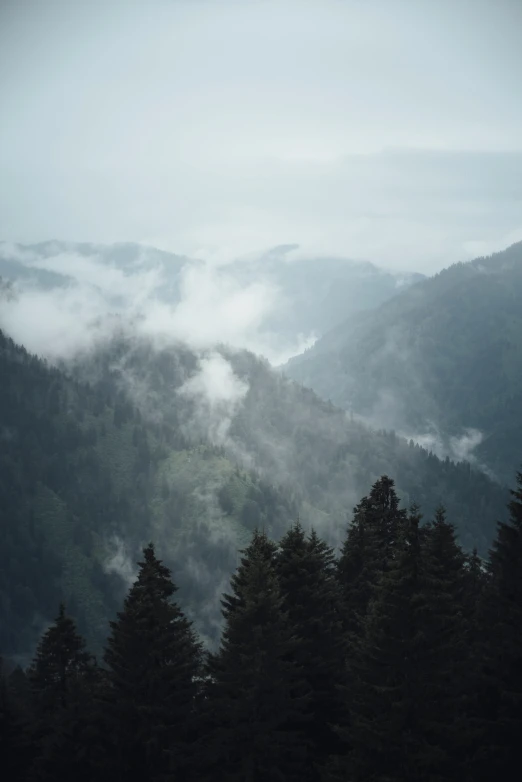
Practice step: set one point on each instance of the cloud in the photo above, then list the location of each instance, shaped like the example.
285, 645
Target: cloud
119, 561
200, 303
16, 252
94, 273
56, 323
463, 446
458, 448
222, 126
213, 307
216, 393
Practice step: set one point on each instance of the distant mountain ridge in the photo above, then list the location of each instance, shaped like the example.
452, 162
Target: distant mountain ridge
442, 358
315, 293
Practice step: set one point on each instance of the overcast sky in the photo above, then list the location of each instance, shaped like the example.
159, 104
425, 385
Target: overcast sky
389, 130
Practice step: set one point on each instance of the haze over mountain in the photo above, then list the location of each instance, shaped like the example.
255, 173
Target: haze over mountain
200, 441
441, 362
193, 451
260, 515
212, 128
275, 302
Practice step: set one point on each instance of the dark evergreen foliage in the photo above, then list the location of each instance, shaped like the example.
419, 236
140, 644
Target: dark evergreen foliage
398, 662
502, 634
154, 669
13, 758
311, 598
62, 679
81, 466
256, 696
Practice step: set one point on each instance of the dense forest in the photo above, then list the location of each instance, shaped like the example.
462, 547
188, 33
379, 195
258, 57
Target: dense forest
80, 469
396, 661
100, 457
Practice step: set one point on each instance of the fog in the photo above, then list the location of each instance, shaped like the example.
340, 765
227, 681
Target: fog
200, 303
389, 131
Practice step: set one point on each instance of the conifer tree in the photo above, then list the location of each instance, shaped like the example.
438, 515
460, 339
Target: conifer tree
502, 663
451, 676
475, 681
12, 756
154, 667
311, 596
367, 553
368, 549
61, 660
404, 676
259, 547
255, 694
62, 676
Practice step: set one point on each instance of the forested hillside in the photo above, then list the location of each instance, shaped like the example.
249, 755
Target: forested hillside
397, 660
82, 479
439, 359
91, 470
316, 453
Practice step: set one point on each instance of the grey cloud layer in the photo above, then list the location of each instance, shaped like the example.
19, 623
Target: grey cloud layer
93, 297
218, 127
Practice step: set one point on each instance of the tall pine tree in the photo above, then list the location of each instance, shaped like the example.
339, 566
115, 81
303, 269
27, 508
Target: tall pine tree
13, 758
369, 548
256, 695
403, 670
154, 668
311, 597
62, 678
502, 663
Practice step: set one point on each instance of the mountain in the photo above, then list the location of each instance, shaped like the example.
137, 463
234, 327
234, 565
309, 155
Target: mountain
440, 362
307, 296
141, 439
84, 482
319, 292
316, 454
193, 451
58, 264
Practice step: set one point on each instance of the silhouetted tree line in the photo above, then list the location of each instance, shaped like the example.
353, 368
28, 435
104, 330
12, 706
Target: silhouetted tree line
400, 660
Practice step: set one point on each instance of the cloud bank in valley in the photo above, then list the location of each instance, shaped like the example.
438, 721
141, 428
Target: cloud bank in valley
211, 305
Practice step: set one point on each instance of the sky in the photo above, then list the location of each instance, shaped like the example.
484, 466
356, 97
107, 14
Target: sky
386, 130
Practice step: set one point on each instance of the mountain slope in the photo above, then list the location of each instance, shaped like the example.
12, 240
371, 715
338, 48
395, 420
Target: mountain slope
193, 452
319, 292
438, 360
313, 451
84, 482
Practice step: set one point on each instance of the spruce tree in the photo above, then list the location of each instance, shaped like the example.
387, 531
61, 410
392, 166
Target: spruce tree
255, 695
366, 555
311, 595
404, 674
154, 667
61, 660
62, 678
260, 546
451, 675
368, 549
12, 755
476, 682
502, 663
